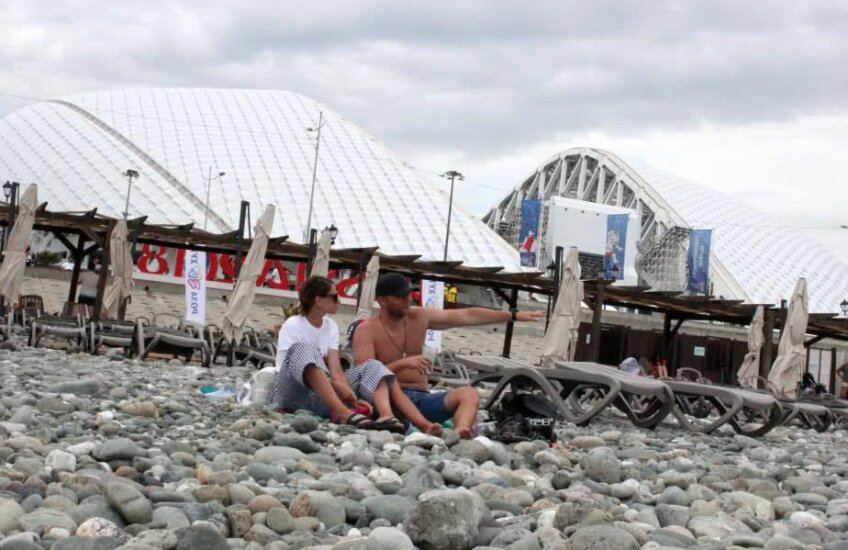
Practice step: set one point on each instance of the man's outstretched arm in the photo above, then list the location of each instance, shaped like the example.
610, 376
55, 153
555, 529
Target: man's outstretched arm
439, 319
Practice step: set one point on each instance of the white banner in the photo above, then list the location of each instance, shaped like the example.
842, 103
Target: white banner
195, 286
433, 295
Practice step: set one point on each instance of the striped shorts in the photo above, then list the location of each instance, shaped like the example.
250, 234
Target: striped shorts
291, 391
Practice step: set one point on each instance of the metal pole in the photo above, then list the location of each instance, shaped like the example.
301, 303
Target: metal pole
127, 204
208, 189
314, 174
450, 210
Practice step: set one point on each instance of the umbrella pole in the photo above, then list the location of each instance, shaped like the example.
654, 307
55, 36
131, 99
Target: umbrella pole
768, 343
513, 302
363, 265
557, 279
105, 261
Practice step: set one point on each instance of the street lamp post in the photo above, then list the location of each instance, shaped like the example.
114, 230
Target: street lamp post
130, 174
208, 190
317, 131
451, 175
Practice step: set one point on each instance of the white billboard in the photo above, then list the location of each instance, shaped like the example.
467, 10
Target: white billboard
584, 225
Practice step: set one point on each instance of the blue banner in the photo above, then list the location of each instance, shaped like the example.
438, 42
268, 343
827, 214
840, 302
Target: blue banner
528, 236
698, 262
616, 245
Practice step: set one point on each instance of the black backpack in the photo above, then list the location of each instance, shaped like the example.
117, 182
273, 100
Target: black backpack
524, 416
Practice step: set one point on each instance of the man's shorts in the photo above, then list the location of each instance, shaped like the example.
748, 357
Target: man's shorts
431, 404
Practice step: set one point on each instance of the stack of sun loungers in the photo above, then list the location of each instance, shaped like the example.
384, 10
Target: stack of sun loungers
581, 391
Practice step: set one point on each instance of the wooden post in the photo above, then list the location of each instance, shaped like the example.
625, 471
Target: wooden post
596, 320
104, 271
312, 251
834, 387
243, 212
513, 302
79, 254
666, 338
768, 343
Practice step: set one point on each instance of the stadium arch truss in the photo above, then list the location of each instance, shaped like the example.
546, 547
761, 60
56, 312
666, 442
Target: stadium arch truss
752, 259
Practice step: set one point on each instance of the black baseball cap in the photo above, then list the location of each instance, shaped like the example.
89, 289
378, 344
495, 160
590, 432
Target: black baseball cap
393, 284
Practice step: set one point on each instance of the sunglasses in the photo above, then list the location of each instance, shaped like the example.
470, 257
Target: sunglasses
334, 297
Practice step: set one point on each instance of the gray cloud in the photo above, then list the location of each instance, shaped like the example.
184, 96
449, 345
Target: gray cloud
481, 78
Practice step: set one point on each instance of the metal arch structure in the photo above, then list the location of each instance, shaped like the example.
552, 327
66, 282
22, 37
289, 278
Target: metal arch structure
753, 258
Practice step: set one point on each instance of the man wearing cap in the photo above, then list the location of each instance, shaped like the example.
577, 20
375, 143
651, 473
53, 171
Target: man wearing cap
395, 336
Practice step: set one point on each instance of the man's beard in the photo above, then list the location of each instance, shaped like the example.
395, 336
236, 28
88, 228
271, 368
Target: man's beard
396, 313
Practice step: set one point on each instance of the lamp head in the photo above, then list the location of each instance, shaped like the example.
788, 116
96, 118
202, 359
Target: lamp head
7, 189
844, 306
334, 232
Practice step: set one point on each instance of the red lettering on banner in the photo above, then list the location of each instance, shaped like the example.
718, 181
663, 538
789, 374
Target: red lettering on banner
301, 275
212, 267
179, 262
263, 279
147, 255
345, 284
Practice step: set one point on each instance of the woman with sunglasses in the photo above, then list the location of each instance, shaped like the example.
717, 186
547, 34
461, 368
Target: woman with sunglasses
310, 376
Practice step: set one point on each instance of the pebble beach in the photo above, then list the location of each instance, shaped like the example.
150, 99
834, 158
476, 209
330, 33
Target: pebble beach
103, 452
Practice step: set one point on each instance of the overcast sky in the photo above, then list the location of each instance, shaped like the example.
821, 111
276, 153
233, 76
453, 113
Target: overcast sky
747, 97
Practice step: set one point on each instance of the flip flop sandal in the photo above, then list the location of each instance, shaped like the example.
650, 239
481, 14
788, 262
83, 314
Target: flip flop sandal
359, 421
390, 424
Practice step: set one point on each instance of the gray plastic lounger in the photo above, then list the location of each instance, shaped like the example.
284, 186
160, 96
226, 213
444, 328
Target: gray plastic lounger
837, 407
645, 401
72, 329
180, 341
705, 407
809, 415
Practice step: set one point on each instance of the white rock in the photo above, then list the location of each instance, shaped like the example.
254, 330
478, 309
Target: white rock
420, 439
60, 461
82, 449
801, 520
98, 527
384, 476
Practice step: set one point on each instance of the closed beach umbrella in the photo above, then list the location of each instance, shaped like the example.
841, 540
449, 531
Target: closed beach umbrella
750, 368
560, 340
321, 263
120, 282
245, 289
369, 288
791, 359
14, 262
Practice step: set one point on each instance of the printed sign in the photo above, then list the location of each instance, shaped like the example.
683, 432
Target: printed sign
698, 261
433, 295
195, 286
616, 244
528, 236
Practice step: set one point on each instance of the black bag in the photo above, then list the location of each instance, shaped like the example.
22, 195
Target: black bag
522, 416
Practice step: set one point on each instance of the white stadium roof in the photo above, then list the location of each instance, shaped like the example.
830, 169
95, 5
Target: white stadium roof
76, 148
754, 257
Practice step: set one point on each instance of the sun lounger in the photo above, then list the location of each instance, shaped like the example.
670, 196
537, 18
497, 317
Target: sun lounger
645, 401
837, 407
178, 341
703, 408
253, 348
116, 334
72, 329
